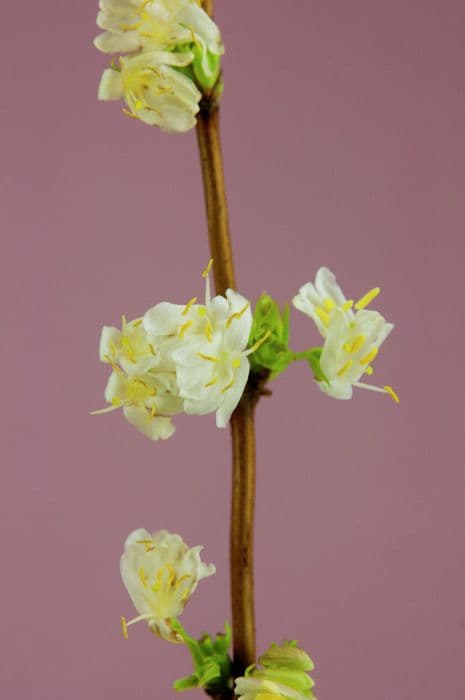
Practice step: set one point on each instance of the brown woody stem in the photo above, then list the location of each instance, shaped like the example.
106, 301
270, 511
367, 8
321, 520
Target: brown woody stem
242, 420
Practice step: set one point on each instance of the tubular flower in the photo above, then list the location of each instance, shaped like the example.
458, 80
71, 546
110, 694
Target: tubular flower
153, 90
143, 383
209, 344
285, 675
352, 334
160, 573
134, 25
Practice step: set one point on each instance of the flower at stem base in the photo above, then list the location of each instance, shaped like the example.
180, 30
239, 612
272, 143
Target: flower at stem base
352, 338
160, 573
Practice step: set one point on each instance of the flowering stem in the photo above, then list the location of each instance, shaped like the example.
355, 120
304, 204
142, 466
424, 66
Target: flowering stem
242, 420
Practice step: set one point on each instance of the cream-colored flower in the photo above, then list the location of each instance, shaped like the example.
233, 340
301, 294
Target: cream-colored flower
153, 90
160, 573
250, 688
143, 382
133, 25
352, 333
208, 344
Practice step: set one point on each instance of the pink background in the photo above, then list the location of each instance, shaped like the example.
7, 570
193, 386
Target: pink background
344, 145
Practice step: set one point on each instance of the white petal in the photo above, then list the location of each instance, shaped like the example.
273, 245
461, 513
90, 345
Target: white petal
156, 428
111, 42
238, 332
163, 319
232, 396
109, 339
327, 287
337, 389
111, 85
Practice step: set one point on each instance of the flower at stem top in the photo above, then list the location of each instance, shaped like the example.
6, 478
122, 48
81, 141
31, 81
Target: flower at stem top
134, 25
352, 335
160, 573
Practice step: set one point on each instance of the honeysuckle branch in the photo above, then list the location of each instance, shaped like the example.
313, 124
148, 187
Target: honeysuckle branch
242, 420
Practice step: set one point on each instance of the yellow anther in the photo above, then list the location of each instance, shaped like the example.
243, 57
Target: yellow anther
184, 328
185, 595
355, 345
209, 330
153, 411
152, 349
124, 627
171, 574
367, 298
329, 304
322, 315
369, 370
236, 363
138, 104
130, 114
209, 358
143, 577
114, 366
137, 322
389, 390
181, 580
228, 386
237, 315
129, 27
370, 357
158, 581
347, 305
206, 272
211, 382
116, 401
344, 368
202, 311
113, 349
189, 305
258, 344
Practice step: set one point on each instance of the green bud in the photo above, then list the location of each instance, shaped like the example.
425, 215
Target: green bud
273, 354
297, 680
289, 655
206, 66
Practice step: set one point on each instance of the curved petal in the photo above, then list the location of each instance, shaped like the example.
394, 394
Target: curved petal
232, 396
111, 85
155, 428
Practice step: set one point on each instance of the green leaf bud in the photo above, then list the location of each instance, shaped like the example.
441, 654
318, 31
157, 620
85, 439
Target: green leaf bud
273, 354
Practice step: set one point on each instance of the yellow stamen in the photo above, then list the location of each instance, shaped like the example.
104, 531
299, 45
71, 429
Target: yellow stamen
347, 305
322, 315
116, 401
202, 311
236, 363
137, 322
206, 272
370, 357
392, 393
185, 595
237, 315
209, 331
152, 349
258, 344
369, 370
367, 298
171, 574
129, 27
143, 577
355, 345
344, 368
158, 581
184, 328
124, 627
189, 305
130, 114
228, 386
211, 382
113, 349
329, 304
210, 358
153, 411
181, 580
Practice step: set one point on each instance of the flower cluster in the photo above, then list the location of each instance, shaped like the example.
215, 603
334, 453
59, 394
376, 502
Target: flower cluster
190, 358
160, 573
352, 335
173, 49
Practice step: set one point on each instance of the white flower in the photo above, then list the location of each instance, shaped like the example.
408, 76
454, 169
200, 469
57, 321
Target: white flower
143, 382
249, 688
153, 90
160, 573
208, 347
352, 339
133, 25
